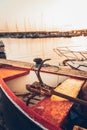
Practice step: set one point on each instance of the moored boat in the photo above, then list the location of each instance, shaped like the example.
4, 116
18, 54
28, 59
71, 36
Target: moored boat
76, 64
29, 103
2, 50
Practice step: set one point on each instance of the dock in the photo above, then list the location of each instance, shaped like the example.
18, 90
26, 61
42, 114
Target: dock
44, 34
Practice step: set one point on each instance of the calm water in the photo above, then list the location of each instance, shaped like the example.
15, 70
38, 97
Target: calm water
28, 49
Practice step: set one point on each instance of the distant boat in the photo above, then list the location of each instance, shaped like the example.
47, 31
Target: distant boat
75, 64
2, 50
27, 102
73, 57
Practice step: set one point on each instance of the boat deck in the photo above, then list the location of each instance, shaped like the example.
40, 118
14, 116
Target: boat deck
55, 109
52, 110
9, 72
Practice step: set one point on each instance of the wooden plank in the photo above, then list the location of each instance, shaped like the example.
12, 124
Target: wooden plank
73, 73
67, 71
70, 87
9, 73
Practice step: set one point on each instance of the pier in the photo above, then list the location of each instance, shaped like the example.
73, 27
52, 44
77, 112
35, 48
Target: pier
44, 34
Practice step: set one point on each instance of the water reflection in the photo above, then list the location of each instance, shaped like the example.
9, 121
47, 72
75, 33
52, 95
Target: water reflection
28, 49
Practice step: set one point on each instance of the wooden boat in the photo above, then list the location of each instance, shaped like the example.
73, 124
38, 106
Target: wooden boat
29, 104
73, 57
77, 64
2, 50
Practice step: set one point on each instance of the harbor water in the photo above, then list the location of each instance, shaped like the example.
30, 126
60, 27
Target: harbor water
26, 49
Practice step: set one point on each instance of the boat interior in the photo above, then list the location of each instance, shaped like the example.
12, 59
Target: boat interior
19, 85
32, 89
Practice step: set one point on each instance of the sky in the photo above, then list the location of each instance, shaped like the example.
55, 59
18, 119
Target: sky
42, 15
